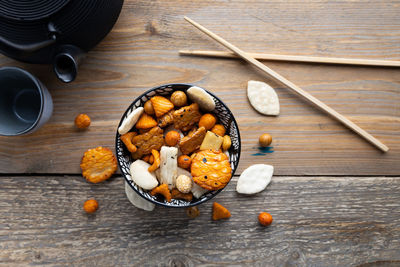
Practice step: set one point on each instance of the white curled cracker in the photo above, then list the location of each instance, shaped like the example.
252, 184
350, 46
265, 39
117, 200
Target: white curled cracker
201, 97
198, 191
263, 98
182, 171
168, 165
130, 120
141, 176
137, 200
254, 179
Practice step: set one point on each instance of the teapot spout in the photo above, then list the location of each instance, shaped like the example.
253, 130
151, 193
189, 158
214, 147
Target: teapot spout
66, 62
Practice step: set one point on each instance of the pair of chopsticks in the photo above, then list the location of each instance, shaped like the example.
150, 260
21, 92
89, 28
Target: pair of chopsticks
308, 59
250, 58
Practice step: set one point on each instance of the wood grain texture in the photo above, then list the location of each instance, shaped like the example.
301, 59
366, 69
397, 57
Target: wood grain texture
142, 52
319, 221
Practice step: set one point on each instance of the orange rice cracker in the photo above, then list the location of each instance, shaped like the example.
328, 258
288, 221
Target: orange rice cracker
98, 164
211, 169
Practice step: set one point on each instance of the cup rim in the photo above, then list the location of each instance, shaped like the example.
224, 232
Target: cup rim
38, 88
152, 200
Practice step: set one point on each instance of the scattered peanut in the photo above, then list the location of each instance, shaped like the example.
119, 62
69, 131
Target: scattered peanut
265, 140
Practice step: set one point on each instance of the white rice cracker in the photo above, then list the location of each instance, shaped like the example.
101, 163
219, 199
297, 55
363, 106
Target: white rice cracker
201, 97
130, 120
168, 165
141, 176
254, 179
137, 200
263, 98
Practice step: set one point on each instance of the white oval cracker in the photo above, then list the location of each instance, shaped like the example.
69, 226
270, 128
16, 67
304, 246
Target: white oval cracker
254, 179
137, 200
141, 176
263, 98
130, 120
201, 97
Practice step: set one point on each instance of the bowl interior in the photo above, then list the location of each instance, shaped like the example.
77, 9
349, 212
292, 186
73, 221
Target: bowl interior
223, 114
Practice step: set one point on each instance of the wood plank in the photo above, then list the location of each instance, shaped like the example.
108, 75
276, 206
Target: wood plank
141, 52
318, 221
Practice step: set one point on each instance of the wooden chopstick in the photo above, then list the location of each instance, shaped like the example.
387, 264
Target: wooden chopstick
309, 59
351, 125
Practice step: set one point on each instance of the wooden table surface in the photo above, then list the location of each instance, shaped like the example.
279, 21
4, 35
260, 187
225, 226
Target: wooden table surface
335, 199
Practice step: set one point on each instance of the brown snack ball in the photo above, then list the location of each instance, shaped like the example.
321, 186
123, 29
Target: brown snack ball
90, 206
179, 99
207, 121
172, 138
184, 161
218, 129
148, 108
265, 140
82, 121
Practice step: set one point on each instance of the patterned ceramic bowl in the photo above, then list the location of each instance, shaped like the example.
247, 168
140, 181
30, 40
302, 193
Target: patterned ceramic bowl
223, 114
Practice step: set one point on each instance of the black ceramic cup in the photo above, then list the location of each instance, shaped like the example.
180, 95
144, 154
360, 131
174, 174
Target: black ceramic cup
25, 103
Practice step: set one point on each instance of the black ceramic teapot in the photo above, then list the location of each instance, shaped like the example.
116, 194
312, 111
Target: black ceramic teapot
55, 31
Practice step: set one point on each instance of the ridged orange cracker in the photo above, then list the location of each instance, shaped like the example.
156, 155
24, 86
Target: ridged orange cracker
161, 105
145, 122
98, 164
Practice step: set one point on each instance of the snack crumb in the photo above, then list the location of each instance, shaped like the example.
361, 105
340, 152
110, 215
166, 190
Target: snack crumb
82, 121
192, 212
90, 206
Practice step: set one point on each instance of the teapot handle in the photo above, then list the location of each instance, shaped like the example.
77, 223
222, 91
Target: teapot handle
30, 48
27, 48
